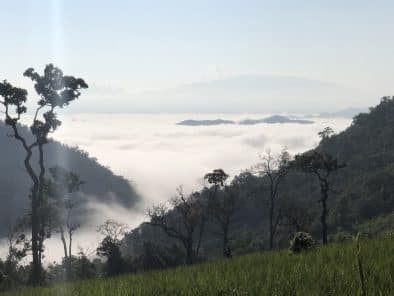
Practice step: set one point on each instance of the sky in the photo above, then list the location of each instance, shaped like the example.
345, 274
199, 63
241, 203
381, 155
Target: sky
124, 48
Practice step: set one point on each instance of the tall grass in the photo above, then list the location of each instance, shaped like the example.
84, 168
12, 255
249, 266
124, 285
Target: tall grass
330, 270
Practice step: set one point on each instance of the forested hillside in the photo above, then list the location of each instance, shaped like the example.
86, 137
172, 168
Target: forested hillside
99, 182
362, 197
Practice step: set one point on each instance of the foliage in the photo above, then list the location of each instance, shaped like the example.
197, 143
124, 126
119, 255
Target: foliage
301, 242
110, 249
184, 222
217, 177
113, 230
110, 246
55, 90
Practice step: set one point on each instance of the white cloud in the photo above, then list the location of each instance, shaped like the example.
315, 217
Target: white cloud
158, 155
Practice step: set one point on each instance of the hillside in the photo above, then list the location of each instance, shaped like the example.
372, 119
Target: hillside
330, 270
275, 119
363, 197
100, 183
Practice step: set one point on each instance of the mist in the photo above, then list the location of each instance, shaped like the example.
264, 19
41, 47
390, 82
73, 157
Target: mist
156, 156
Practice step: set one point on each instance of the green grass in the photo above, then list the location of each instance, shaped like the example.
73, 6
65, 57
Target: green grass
330, 270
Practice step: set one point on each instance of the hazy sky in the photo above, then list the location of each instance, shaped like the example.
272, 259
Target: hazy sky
132, 46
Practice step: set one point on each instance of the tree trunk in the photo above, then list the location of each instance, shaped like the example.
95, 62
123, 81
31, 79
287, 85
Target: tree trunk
36, 266
272, 224
202, 227
67, 254
36, 203
189, 253
323, 217
226, 251
63, 241
70, 237
68, 266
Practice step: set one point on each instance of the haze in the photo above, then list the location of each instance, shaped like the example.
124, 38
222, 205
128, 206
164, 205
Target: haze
126, 49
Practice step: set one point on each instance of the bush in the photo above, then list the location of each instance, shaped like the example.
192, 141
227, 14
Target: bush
301, 241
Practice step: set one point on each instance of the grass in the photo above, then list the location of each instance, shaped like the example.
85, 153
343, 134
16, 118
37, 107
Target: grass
331, 270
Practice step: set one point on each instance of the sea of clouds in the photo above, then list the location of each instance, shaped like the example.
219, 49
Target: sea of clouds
157, 155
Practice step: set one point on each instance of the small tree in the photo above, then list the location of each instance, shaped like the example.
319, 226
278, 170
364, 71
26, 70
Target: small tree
321, 165
112, 229
326, 133
181, 222
65, 184
18, 247
221, 205
110, 246
273, 169
55, 90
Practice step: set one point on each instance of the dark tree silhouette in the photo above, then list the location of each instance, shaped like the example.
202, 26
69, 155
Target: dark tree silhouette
217, 178
18, 247
321, 165
221, 205
326, 133
273, 170
55, 90
110, 246
182, 222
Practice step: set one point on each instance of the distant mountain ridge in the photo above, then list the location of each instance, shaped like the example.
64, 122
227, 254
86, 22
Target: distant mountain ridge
192, 122
268, 120
274, 119
344, 113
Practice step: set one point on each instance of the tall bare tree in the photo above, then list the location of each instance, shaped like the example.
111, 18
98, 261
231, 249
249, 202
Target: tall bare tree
221, 205
322, 166
64, 186
55, 90
183, 222
273, 169
112, 229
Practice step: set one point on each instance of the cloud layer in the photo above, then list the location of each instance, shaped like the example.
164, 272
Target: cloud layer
157, 155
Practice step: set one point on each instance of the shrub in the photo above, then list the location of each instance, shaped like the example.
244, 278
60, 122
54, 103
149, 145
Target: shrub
301, 241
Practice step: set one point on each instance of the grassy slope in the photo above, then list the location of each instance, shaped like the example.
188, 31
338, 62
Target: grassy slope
327, 271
